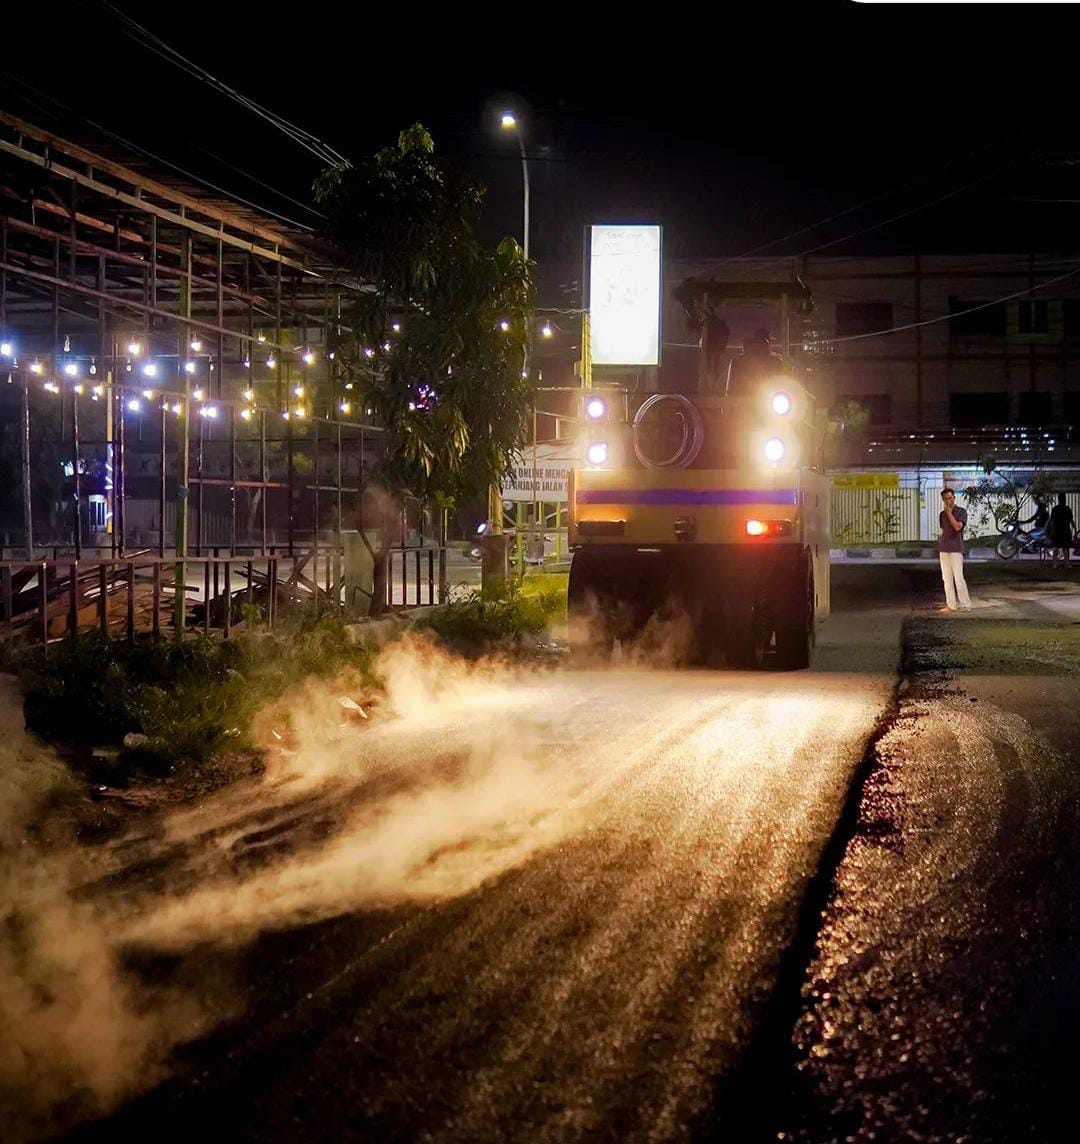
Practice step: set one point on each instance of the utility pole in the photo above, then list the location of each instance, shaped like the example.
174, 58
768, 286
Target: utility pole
180, 580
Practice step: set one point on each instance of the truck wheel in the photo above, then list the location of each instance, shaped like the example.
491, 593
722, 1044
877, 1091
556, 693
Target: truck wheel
588, 623
795, 637
750, 638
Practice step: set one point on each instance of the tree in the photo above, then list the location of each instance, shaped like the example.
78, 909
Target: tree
437, 344
999, 497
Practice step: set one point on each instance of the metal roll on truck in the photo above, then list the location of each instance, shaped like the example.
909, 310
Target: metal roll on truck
712, 504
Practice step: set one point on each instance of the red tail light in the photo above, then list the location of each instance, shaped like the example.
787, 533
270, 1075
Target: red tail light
767, 527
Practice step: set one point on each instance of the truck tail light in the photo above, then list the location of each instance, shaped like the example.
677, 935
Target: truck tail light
756, 528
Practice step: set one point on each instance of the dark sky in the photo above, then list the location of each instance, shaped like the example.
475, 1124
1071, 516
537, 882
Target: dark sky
732, 130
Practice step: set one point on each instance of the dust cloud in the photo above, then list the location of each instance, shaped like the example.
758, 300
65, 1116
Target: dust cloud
442, 786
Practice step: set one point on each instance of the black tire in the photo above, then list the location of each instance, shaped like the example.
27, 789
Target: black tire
591, 636
796, 636
1007, 547
750, 637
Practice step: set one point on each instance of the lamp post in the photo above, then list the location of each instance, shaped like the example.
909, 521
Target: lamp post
509, 122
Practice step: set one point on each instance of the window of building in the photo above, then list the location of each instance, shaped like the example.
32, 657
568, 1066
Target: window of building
1036, 409
1070, 317
1032, 317
877, 405
974, 410
1072, 407
862, 317
988, 321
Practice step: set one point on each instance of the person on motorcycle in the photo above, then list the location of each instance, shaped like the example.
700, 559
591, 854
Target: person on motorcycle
1039, 521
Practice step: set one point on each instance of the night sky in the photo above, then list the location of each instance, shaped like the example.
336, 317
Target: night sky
733, 131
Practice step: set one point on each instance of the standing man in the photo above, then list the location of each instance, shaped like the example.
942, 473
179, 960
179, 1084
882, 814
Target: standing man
1060, 530
953, 521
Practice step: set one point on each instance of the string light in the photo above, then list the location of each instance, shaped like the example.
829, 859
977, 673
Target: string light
134, 349
197, 394
309, 358
245, 414
52, 387
547, 331
386, 346
348, 385
189, 367
396, 327
176, 408
260, 338
148, 394
150, 369
134, 405
345, 407
77, 388
36, 367
99, 390
249, 394
71, 369
285, 415
93, 367
196, 344
6, 349
300, 411
208, 411
247, 363
504, 325
298, 391
271, 361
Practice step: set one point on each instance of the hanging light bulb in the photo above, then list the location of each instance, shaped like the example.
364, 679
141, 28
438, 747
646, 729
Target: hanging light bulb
99, 390
67, 343
396, 327
134, 405
300, 411
309, 358
260, 337
71, 369
148, 394
6, 348
176, 408
345, 407
77, 388
93, 367
368, 352
134, 348
298, 391
150, 369
245, 414
36, 367
547, 331
271, 361
51, 387
189, 367
249, 394
504, 325
196, 344
197, 394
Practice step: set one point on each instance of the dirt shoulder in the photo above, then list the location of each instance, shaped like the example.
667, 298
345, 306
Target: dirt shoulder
941, 1003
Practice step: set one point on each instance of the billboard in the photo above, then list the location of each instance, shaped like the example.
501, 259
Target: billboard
624, 295
539, 473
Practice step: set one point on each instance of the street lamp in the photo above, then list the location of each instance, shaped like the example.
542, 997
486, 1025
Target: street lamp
509, 123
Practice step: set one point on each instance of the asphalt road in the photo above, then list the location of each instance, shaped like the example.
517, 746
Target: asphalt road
520, 905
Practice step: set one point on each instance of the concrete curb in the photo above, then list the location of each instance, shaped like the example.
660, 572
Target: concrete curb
902, 552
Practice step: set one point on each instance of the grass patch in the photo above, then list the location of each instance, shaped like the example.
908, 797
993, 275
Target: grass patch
488, 620
190, 700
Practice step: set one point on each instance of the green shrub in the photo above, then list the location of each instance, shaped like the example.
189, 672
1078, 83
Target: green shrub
188, 699
490, 620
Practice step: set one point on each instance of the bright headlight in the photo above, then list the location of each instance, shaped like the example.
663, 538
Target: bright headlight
781, 403
774, 449
597, 453
595, 408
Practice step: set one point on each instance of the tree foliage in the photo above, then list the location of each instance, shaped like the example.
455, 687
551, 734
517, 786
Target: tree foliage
448, 384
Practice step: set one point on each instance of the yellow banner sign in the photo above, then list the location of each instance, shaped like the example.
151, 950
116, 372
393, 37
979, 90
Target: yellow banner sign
866, 481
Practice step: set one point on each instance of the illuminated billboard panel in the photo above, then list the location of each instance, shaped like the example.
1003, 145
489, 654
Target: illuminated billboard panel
624, 295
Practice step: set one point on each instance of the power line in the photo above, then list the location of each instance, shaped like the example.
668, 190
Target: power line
949, 316
322, 151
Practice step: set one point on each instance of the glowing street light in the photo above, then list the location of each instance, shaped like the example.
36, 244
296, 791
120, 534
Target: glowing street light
509, 122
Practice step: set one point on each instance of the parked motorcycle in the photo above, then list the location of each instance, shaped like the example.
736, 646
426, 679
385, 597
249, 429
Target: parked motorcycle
1017, 540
